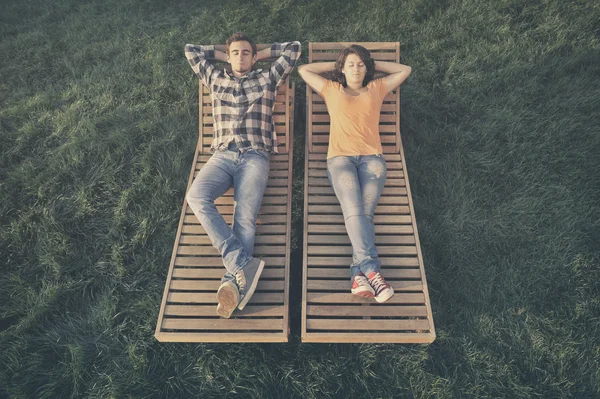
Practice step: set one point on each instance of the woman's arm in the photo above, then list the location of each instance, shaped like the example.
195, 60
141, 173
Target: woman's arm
311, 74
397, 73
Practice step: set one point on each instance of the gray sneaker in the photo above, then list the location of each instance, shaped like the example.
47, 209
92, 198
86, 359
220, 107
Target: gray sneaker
228, 297
247, 280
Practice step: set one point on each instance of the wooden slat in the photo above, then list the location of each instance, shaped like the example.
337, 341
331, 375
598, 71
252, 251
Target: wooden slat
333, 56
217, 273
331, 199
205, 240
210, 311
223, 324
337, 46
264, 210
347, 250
324, 190
262, 219
380, 210
211, 261
341, 229
370, 311
377, 325
222, 337
213, 285
202, 297
370, 337
378, 219
199, 250
331, 239
324, 297
263, 229
330, 313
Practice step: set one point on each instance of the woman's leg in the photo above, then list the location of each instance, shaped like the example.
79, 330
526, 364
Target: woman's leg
344, 177
372, 172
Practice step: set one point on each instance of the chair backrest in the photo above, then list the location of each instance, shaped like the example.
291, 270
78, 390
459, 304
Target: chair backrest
281, 117
317, 122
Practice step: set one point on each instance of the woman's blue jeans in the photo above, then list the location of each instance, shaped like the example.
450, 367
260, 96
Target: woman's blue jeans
248, 173
358, 182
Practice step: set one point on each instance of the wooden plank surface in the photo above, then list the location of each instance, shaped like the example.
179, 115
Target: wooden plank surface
330, 313
188, 308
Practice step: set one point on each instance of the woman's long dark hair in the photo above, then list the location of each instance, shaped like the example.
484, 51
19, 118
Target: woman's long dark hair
364, 55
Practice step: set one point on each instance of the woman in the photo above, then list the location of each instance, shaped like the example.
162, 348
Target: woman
355, 164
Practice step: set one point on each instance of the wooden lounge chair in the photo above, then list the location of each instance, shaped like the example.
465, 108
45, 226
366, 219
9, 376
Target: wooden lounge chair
330, 313
188, 309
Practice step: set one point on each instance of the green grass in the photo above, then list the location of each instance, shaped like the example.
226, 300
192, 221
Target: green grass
98, 124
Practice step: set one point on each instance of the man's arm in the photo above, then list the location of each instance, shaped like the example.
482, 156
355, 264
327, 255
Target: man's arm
311, 74
397, 73
199, 58
288, 55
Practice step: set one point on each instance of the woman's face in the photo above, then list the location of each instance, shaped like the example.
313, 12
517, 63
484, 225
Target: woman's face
354, 69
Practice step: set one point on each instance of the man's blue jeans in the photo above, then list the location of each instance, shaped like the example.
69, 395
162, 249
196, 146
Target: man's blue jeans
248, 173
358, 182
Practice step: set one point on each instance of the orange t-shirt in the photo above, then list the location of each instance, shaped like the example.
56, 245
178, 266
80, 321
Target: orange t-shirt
354, 126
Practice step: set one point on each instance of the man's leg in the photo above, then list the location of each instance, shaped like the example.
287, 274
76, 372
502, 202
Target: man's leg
213, 180
250, 181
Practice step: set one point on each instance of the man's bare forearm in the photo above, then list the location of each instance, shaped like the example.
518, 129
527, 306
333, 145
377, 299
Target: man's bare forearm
263, 54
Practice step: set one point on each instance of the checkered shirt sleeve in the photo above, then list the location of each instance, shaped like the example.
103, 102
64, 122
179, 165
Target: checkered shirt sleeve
198, 57
288, 54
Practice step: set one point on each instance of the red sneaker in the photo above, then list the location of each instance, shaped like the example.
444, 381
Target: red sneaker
383, 291
361, 286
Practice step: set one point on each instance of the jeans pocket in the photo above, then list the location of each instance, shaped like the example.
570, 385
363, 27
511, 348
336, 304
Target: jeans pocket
263, 154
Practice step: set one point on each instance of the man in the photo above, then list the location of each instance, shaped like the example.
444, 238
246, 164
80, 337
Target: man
244, 138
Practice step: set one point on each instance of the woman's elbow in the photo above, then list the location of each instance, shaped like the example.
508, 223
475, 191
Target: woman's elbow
302, 70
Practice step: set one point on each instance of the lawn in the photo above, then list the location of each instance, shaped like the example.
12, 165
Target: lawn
98, 126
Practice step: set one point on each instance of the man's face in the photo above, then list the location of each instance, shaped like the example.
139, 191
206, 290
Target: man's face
240, 57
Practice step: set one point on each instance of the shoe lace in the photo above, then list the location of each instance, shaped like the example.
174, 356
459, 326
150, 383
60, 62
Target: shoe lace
378, 282
239, 279
361, 280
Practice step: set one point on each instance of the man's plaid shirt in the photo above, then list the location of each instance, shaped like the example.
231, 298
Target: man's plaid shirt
243, 107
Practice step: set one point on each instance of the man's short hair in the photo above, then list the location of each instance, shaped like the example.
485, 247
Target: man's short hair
240, 37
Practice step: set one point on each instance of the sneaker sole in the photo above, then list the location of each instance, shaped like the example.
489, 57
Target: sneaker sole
227, 302
364, 293
252, 288
385, 297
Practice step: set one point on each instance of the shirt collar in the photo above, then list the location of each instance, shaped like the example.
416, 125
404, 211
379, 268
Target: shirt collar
250, 74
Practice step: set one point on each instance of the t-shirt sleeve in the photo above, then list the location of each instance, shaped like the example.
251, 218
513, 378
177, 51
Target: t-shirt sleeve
328, 86
380, 87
